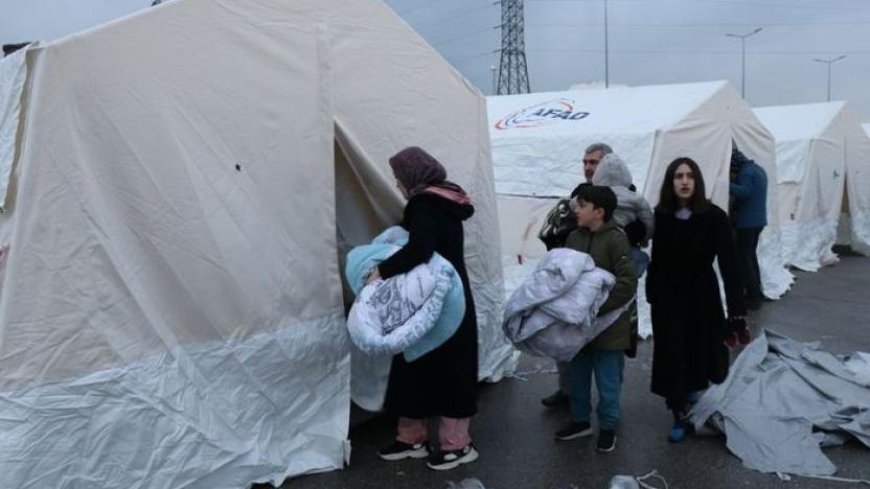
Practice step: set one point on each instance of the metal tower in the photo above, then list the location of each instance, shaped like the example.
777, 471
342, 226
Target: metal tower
513, 75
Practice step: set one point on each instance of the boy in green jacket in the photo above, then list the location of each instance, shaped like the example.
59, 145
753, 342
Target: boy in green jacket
599, 237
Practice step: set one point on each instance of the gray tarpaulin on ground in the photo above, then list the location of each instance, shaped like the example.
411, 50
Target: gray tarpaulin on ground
784, 400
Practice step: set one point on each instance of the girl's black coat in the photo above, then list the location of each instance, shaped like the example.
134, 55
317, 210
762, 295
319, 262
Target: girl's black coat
688, 321
442, 382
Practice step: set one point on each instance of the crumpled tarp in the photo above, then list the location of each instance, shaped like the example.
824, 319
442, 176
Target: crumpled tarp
784, 400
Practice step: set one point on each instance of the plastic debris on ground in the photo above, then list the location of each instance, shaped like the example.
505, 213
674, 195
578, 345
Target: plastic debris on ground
639, 482
466, 484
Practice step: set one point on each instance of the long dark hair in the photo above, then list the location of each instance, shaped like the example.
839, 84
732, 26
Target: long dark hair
668, 202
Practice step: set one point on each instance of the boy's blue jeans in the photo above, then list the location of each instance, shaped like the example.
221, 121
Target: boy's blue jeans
641, 260
607, 366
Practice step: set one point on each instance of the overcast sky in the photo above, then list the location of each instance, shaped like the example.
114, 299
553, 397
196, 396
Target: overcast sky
651, 41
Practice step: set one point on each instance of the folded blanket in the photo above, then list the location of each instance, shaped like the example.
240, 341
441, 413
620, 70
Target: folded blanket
555, 312
413, 313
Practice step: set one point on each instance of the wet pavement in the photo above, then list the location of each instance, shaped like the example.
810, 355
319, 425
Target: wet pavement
514, 432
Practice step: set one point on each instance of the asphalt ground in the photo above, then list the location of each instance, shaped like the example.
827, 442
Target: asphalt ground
514, 432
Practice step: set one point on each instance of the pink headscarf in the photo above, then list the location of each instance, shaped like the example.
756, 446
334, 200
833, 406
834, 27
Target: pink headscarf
419, 172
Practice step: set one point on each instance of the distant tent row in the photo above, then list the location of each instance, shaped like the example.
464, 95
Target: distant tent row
183, 186
823, 156
538, 141
817, 158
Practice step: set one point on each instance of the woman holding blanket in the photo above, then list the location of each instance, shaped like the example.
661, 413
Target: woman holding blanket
443, 382
690, 331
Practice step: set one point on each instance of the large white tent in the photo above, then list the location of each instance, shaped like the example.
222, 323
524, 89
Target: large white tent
184, 184
538, 142
823, 168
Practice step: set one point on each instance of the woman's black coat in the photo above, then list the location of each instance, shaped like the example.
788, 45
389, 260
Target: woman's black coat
442, 382
688, 320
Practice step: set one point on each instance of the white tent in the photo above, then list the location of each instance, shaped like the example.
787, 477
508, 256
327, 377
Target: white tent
538, 142
822, 156
186, 182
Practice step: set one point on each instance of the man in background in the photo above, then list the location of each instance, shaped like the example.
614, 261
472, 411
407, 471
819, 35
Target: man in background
749, 193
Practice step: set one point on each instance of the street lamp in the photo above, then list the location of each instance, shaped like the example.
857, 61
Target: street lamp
494, 82
742, 38
606, 50
829, 62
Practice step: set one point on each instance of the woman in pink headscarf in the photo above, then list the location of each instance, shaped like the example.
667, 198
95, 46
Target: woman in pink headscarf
442, 383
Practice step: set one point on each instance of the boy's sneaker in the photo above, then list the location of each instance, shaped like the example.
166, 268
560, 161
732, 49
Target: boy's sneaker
606, 441
574, 430
399, 451
450, 459
556, 399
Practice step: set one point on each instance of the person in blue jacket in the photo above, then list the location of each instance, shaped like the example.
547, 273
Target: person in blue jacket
749, 196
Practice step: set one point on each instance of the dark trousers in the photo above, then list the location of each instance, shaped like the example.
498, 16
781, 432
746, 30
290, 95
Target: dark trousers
747, 246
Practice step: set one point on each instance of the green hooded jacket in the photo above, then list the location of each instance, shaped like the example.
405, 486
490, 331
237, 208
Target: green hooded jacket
608, 247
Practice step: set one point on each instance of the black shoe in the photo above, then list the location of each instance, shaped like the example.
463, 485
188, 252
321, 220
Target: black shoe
399, 451
557, 399
606, 441
450, 459
574, 430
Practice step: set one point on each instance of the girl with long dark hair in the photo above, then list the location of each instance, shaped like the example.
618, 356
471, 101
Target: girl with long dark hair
690, 330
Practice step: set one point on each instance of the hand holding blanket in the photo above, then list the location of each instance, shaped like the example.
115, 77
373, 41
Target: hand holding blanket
412, 313
555, 312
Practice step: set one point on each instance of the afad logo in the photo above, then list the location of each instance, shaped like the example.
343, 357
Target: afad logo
542, 114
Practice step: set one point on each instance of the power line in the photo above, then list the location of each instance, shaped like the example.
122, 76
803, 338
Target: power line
425, 3
454, 15
692, 51
753, 3
474, 56
452, 40
587, 1
783, 5
704, 25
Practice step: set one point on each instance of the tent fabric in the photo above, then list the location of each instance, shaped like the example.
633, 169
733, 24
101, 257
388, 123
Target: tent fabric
784, 400
146, 315
416, 99
171, 310
13, 72
823, 162
538, 142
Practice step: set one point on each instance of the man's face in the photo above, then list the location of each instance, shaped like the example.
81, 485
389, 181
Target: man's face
590, 163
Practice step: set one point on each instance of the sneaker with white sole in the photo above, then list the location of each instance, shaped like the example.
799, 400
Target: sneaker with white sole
606, 441
450, 459
574, 430
400, 451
